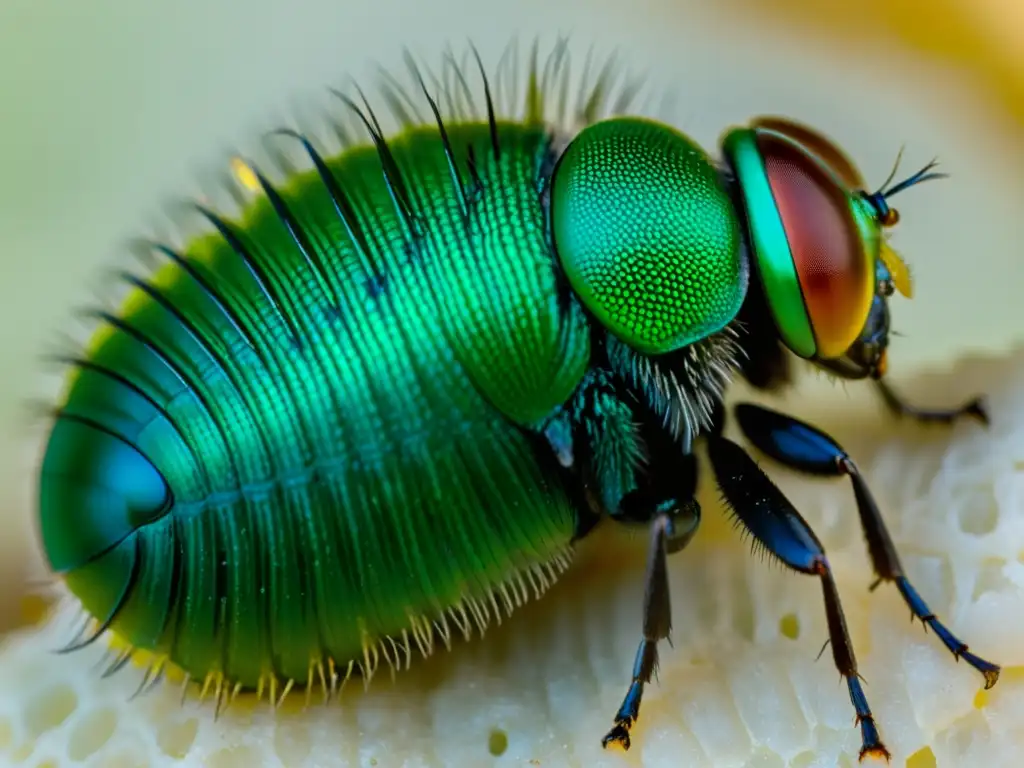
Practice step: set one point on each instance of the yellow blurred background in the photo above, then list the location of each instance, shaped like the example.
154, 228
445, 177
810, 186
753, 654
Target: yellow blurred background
112, 108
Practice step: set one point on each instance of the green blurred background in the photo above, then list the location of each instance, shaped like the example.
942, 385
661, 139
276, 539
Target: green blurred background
113, 109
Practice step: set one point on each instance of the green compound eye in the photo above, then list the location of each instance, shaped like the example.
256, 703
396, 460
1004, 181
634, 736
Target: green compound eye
647, 234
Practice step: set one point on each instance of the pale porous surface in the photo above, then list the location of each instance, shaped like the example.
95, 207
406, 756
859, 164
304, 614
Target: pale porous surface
740, 686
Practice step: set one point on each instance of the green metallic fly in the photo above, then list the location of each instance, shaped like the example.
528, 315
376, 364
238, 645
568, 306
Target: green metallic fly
382, 404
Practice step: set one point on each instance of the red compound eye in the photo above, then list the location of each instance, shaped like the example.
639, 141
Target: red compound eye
814, 142
832, 262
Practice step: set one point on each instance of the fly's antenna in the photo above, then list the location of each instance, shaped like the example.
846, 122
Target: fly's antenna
925, 174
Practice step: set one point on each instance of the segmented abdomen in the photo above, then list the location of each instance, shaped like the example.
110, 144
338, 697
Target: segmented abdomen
335, 390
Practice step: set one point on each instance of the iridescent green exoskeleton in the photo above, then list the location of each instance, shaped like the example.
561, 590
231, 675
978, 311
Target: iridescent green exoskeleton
379, 405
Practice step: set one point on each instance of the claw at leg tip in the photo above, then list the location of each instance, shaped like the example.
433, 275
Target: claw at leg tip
617, 735
991, 677
878, 752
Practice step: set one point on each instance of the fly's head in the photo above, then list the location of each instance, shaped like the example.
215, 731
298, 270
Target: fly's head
818, 242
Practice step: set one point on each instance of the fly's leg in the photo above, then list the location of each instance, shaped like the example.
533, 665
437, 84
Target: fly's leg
601, 438
898, 406
777, 526
672, 522
809, 450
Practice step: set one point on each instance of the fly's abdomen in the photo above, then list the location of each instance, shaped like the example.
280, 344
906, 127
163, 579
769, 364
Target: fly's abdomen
303, 441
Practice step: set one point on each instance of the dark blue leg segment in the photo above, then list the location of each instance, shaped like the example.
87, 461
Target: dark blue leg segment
958, 649
780, 530
975, 408
807, 449
868, 730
